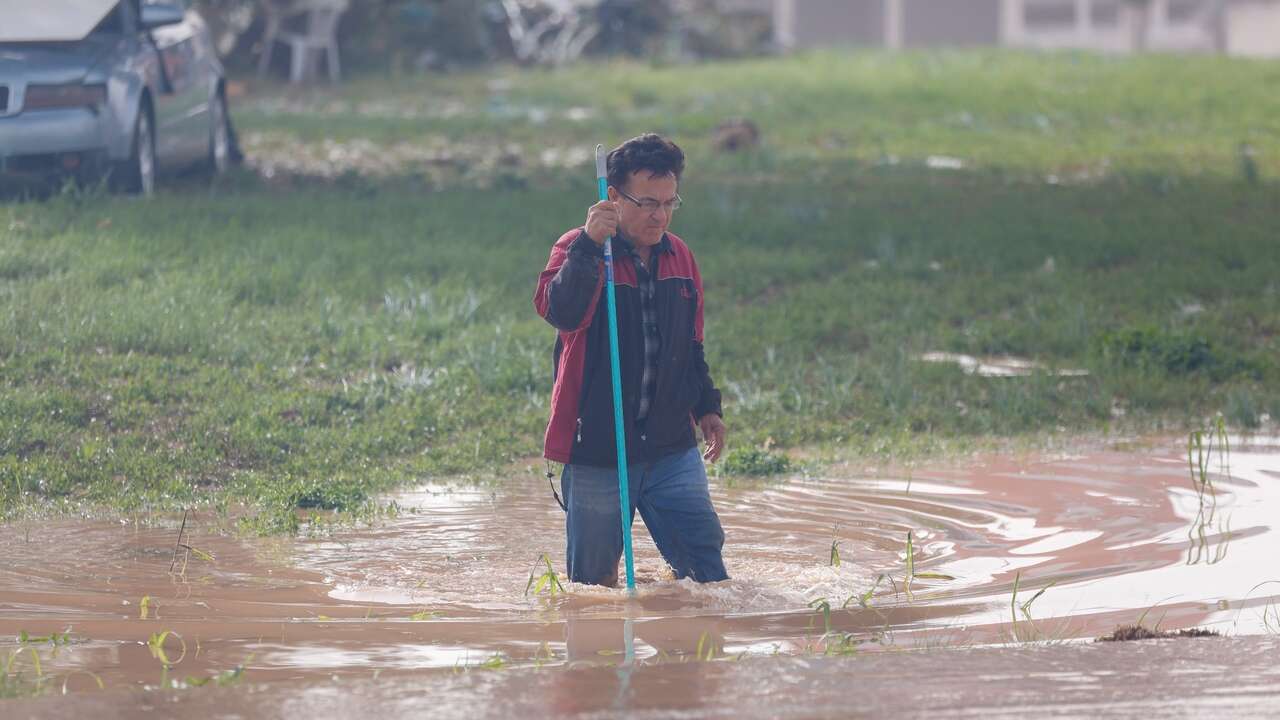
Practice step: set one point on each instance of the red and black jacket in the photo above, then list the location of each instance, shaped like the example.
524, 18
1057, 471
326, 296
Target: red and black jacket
570, 296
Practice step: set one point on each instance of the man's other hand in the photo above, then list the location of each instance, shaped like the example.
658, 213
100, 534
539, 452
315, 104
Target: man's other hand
713, 432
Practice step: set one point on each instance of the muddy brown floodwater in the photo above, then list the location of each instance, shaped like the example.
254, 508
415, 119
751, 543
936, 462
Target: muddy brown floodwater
432, 603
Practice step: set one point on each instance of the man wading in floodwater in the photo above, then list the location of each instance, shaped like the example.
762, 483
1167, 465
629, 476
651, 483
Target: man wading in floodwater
666, 385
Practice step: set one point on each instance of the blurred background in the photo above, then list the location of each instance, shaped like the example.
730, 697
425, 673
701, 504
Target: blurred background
409, 35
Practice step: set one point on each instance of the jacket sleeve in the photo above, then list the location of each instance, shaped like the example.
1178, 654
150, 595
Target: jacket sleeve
709, 397
569, 288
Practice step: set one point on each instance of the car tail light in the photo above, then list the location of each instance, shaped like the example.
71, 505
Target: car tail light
50, 97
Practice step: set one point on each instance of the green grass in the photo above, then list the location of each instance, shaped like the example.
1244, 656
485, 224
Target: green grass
259, 349
1066, 113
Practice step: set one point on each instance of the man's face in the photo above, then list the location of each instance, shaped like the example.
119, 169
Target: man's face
640, 226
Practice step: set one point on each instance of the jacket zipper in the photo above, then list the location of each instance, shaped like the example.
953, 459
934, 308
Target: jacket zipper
579, 430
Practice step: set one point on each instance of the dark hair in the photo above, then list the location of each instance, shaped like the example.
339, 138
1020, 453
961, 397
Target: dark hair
649, 152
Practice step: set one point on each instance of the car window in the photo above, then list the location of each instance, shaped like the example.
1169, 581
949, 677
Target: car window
111, 24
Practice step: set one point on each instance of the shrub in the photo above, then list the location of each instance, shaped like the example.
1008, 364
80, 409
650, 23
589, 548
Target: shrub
755, 462
1152, 348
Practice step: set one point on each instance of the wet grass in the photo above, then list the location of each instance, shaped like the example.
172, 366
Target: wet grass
1271, 618
1210, 533
543, 578
496, 661
19, 681
909, 575
277, 355
834, 556
1126, 633
864, 598
709, 647
1028, 630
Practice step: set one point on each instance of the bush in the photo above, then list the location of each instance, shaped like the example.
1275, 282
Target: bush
332, 494
754, 462
1152, 348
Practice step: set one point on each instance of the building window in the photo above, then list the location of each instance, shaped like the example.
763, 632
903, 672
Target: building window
1104, 13
1049, 13
1183, 11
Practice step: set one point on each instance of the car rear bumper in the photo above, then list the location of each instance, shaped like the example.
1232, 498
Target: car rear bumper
52, 132
47, 171
36, 165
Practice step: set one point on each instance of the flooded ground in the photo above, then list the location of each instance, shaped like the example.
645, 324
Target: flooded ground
1112, 537
1217, 678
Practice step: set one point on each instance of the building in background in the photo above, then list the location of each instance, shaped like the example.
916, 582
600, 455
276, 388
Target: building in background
1236, 27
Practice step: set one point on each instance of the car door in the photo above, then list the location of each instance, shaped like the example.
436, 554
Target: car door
182, 110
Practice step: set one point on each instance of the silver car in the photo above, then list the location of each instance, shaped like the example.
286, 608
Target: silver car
109, 88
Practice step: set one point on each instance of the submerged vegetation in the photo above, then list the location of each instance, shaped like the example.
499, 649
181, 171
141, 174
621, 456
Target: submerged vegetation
1029, 631
23, 672
1210, 533
273, 349
543, 579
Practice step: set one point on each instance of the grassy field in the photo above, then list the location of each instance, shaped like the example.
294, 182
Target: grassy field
295, 342
1074, 115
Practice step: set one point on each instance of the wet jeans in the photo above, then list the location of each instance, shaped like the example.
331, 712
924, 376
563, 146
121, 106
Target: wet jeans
671, 494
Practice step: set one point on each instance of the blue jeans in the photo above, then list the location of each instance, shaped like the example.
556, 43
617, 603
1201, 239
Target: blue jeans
671, 494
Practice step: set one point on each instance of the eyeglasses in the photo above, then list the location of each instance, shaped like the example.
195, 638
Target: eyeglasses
651, 205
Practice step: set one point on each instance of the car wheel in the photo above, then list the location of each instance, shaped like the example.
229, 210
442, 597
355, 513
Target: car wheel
219, 136
138, 173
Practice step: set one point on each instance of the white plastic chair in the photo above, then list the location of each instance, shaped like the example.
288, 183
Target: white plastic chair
321, 35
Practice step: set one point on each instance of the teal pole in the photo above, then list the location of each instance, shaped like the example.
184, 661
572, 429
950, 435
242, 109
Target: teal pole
624, 495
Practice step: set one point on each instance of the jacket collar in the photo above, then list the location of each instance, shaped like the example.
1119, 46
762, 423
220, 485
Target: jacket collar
664, 245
